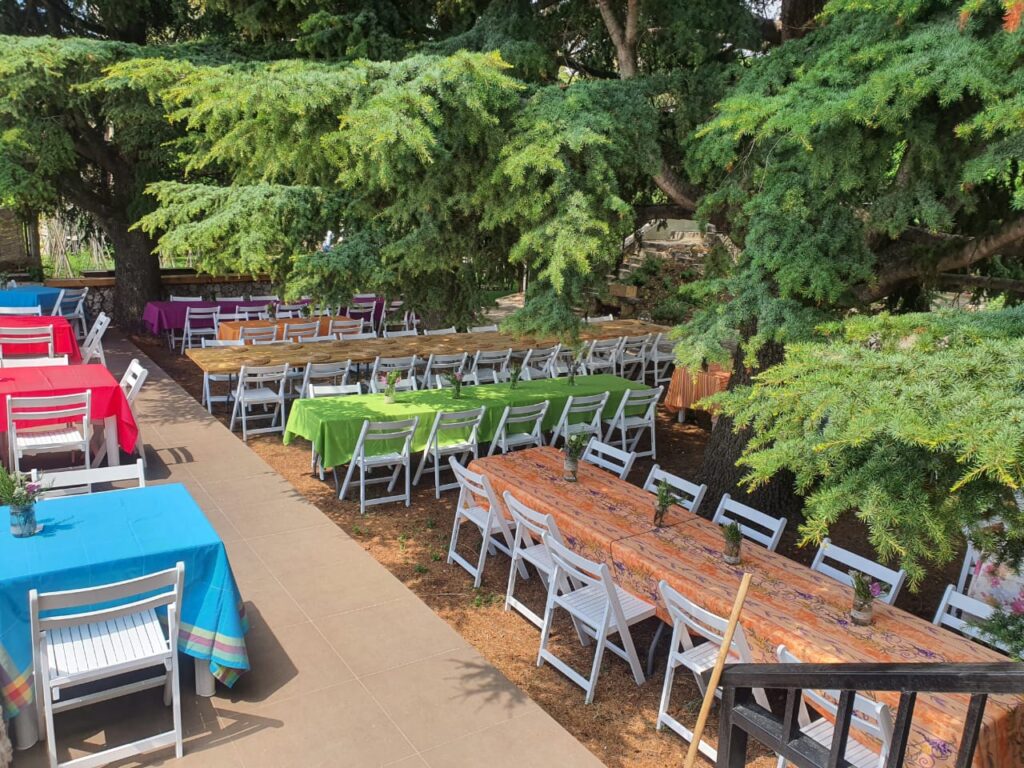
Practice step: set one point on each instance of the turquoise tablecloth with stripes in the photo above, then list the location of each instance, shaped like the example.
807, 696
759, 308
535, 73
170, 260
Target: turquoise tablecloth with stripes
112, 536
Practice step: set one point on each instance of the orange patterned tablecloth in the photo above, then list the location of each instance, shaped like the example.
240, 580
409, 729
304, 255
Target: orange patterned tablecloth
231, 330
607, 519
684, 390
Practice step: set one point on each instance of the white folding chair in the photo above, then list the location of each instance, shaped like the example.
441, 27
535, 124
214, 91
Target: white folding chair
34, 362
608, 457
829, 553
519, 426
313, 391
754, 525
43, 425
382, 432
289, 311
601, 319
15, 339
399, 334
870, 717
633, 356
440, 331
71, 305
971, 558
189, 298
28, 311
688, 495
357, 336
636, 414
483, 329
602, 356
324, 373
303, 331
661, 356
441, 369
258, 333
199, 322
488, 367
539, 363
92, 347
74, 482
208, 398
478, 505
346, 326
382, 366
581, 415
73, 650
260, 386
528, 547
598, 607
688, 619
454, 434
131, 384
963, 614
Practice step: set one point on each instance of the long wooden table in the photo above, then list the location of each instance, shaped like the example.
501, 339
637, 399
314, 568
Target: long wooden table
607, 518
231, 359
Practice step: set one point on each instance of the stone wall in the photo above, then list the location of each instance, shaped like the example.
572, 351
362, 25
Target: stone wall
101, 289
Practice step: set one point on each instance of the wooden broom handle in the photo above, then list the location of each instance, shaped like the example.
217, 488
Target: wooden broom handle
716, 672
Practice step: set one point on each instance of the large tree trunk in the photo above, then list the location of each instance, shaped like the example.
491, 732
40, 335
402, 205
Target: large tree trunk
136, 272
719, 471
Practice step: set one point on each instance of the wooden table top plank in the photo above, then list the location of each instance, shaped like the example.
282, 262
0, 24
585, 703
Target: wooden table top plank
231, 359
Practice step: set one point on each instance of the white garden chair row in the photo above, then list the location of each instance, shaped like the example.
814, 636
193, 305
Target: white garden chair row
13, 338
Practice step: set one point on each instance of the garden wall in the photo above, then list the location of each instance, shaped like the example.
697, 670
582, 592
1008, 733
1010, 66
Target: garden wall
101, 289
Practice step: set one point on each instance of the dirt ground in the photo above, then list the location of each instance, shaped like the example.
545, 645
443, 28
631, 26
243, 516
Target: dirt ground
412, 543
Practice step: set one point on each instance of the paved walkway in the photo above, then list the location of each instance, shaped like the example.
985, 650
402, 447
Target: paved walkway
349, 668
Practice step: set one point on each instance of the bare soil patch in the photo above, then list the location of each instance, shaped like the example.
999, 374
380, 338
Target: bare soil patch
412, 544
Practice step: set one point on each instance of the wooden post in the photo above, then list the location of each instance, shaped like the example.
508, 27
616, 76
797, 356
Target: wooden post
716, 672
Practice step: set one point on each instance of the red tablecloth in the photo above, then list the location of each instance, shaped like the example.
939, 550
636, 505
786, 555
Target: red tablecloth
107, 396
64, 341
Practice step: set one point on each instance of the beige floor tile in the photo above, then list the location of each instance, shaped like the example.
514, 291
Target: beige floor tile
532, 741
250, 572
286, 662
271, 517
305, 549
388, 635
441, 698
273, 605
353, 581
413, 761
337, 726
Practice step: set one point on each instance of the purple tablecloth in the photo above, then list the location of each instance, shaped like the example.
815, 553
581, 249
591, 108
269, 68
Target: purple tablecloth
162, 316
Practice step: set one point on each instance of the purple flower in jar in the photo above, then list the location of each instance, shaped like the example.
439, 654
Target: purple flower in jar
34, 487
876, 589
458, 376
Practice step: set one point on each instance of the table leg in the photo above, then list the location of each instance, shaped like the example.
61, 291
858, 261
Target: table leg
205, 682
25, 728
110, 437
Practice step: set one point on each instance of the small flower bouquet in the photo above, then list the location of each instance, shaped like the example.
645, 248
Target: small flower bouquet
576, 364
733, 536
271, 311
665, 499
574, 447
389, 383
514, 374
457, 385
19, 493
865, 591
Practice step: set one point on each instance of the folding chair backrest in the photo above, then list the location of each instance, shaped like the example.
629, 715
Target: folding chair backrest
634, 345
531, 524
440, 331
78, 481
459, 421
755, 525
494, 360
962, 613
285, 311
133, 379
261, 375
871, 717
453, 363
603, 350
258, 333
269, 299
335, 373
475, 490
356, 336
384, 365
333, 390
185, 298
615, 460
70, 301
154, 590
483, 329
688, 495
639, 402
377, 431
542, 359
301, 330
589, 407
201, 317
829, 553
701, 622
35, 362
94, 339
527, 414
971, 558
28, 335
34, 311
663, 347
399, 334
577, 569
248, 313
221, 342
346, 326
62, 408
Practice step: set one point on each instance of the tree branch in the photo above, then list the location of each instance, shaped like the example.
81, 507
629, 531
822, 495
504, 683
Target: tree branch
674, 187
625, 54
1001, 284
976, 250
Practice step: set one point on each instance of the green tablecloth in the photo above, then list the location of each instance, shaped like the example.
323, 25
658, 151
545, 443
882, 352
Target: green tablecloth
332, 424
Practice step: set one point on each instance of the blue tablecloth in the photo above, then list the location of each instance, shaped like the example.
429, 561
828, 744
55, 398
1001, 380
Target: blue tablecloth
29, 296
112, 536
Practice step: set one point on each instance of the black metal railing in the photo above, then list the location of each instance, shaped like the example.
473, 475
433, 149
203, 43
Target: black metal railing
742, 718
